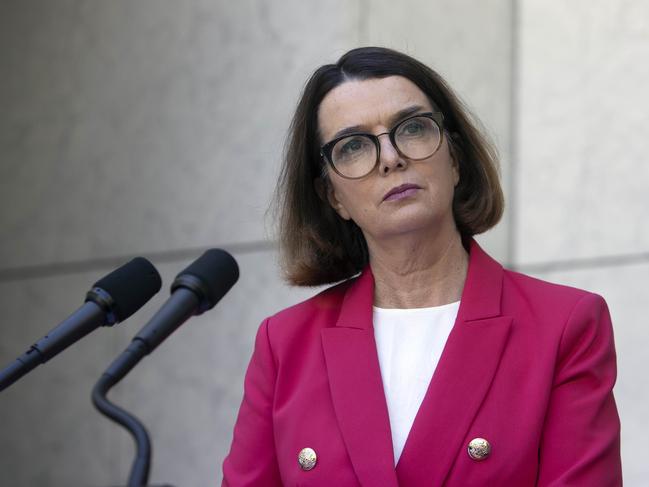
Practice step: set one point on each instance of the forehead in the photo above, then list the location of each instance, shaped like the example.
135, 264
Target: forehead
367, 103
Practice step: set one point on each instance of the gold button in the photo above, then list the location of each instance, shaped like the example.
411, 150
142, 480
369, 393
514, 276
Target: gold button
307, 458
479, 449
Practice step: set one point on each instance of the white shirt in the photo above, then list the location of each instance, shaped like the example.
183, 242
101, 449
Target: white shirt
409, 343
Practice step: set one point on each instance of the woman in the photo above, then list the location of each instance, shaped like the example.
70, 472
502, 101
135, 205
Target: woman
434, 365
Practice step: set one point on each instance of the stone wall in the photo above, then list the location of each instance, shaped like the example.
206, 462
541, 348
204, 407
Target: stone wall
155, 128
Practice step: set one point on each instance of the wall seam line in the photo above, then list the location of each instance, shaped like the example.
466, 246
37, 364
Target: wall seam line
19, 273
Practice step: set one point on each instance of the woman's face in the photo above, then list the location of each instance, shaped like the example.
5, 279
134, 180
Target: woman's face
373, 106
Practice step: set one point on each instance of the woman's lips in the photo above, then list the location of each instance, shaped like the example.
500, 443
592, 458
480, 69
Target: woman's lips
400, 192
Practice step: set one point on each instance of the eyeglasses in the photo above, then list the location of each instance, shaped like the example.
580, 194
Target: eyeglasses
354, 156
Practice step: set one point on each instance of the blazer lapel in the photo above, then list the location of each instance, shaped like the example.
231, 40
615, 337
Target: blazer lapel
460, 382
462, 377
356, 387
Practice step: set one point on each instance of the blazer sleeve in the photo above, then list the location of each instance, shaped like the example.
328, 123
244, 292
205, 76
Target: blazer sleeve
580, 443
252, 460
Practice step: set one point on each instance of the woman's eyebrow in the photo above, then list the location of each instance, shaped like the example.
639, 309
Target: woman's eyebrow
347, 130
406, 112
401, 114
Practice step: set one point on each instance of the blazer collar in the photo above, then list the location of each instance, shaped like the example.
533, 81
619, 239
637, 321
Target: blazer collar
480, 296
440, 425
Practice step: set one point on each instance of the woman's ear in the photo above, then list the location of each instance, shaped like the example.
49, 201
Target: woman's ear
327, 194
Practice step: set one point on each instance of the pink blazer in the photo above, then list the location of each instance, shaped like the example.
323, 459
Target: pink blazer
528, 366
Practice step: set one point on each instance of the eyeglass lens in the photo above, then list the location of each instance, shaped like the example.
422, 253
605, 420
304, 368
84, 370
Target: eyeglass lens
415, 138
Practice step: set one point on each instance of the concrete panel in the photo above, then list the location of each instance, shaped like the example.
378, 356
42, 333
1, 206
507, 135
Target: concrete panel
470, 45
150, 125
583, 174
625, 290
187, 393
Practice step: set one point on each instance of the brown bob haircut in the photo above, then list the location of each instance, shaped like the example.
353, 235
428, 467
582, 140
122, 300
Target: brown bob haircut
317, 246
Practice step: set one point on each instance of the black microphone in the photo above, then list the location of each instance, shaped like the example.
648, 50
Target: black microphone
195, 290
112, 299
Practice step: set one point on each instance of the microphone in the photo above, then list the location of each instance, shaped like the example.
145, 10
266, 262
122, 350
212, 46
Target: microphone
112, 299
195, 290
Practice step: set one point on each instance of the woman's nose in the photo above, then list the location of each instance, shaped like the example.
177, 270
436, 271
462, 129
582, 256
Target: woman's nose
389, 159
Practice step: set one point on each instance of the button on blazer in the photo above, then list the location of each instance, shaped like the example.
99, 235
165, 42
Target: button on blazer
529, 367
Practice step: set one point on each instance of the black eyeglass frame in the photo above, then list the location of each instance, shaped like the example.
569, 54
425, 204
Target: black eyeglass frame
327, 149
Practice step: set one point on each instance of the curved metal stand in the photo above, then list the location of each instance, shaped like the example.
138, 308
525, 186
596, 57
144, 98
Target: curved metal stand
139, 475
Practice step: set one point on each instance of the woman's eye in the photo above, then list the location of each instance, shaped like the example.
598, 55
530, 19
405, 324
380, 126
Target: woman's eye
413, 128
352, 146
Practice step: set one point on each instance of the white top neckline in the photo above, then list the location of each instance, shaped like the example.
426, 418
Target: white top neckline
415, 310
409, 344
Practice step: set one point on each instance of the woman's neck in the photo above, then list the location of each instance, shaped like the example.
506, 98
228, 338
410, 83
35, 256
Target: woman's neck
417, 273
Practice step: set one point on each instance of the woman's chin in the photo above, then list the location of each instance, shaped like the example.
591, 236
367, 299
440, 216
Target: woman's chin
413, 225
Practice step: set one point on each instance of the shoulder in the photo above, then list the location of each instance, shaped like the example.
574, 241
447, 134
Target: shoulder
548, 303
326, 302
542, 291
519, 295
539, 289
302, 322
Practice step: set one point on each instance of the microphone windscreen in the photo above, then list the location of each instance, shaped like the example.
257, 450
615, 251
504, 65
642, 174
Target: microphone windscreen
131, 286
216, 270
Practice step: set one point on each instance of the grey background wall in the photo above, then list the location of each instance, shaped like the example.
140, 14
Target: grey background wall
155, 128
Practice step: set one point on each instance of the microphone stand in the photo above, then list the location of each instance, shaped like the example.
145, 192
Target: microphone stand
139, 475
180, 307
194, 291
